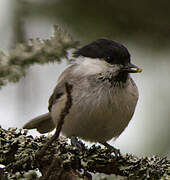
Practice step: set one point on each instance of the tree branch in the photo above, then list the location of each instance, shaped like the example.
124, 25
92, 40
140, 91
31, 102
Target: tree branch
13, 66
17, 154
63, 114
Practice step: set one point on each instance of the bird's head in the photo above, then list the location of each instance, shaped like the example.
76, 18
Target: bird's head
110, 51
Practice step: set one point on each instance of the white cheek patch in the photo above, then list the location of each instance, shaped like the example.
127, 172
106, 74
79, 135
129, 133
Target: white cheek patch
91, 66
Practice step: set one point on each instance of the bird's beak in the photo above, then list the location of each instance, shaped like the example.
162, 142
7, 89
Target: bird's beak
131, 68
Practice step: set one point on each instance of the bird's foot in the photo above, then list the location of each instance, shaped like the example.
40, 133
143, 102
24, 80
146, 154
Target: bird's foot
112, 149
77, 143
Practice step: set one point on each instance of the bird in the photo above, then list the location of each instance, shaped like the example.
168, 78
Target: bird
104, 95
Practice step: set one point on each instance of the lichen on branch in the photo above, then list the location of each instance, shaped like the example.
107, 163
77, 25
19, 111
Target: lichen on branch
17, 154
13, 65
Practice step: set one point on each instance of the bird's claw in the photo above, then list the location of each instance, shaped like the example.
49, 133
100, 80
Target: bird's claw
112, 149
76, 143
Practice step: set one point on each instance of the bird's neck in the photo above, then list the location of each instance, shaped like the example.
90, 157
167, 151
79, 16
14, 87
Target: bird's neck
119, 80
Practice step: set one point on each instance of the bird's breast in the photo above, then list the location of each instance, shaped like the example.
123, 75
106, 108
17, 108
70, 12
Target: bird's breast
100, 113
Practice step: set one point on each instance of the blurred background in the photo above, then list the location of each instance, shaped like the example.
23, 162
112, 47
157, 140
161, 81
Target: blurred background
142, 26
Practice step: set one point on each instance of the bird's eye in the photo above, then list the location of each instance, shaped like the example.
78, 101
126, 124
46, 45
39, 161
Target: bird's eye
108, 58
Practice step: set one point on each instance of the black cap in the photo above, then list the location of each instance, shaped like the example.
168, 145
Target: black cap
112, 51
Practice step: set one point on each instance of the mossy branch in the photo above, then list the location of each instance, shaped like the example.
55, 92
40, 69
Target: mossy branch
17, 154
13, 66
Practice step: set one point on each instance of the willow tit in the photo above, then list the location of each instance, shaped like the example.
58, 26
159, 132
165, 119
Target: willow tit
104, 96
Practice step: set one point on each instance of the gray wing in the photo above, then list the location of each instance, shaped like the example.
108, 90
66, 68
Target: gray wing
59, 90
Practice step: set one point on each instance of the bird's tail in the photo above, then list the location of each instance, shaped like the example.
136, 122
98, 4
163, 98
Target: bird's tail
42, 123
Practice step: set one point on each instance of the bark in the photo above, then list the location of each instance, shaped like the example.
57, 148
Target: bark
18, 155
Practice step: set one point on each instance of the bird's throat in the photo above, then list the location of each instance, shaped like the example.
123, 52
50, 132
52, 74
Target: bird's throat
121, 77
